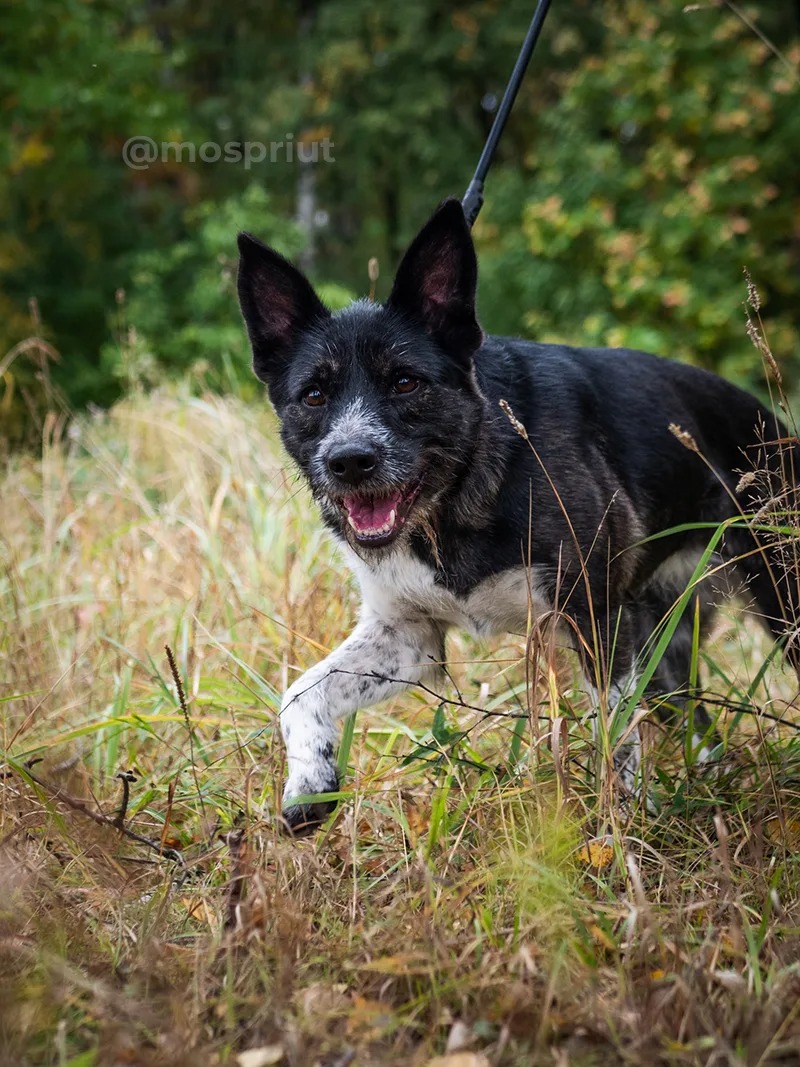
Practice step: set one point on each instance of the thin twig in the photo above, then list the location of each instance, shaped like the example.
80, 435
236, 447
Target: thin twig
237, 846
104, 820
751, 25
126, 777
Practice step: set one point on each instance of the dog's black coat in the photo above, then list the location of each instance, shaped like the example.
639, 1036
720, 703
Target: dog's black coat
618, 446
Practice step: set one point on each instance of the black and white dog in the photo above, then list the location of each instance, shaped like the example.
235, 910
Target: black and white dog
449, 517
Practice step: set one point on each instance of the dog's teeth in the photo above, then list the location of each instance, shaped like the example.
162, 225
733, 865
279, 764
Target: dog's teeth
377, 531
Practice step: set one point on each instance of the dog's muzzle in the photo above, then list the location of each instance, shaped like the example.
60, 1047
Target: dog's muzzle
377, 519
353, 463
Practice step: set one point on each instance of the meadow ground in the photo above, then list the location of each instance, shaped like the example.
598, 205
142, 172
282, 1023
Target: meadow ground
476, 897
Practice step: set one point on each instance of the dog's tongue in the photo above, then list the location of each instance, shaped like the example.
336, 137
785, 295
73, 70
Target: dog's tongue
367, 513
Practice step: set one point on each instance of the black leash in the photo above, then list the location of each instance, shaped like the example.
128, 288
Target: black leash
472, 201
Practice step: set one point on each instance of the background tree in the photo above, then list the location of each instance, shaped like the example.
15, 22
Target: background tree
74, 80
651, 156
668, 163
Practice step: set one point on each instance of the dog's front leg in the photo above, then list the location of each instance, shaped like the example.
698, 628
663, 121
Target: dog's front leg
378, 659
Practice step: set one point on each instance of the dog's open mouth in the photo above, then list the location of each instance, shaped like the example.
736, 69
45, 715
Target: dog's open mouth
377, 520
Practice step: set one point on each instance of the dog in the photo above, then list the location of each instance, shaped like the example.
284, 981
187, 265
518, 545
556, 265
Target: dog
481, 482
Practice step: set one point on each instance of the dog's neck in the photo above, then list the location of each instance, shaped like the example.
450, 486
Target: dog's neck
470, 503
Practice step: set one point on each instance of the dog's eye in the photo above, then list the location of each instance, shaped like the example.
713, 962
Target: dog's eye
404, 383
314, 397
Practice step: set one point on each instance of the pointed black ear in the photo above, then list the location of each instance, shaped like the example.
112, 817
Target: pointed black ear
436, 281
278, 302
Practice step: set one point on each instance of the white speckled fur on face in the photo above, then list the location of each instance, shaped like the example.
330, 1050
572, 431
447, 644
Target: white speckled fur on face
356, 422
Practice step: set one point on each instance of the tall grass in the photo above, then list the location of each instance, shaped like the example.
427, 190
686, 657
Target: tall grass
472, 892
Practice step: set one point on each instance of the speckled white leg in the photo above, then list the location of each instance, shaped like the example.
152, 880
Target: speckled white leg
377, 660
627, 756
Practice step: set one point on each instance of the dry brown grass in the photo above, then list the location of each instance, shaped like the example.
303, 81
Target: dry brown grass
485, 897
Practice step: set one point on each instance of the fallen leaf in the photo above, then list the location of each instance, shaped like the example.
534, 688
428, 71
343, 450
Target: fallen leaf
459, 1038
730, 980
320, 999
596, 854
416, 820
198, 910
404, 963
369, 1017
600, 937
459, 1059
260, 1057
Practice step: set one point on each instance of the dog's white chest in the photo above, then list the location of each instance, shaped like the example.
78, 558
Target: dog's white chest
402, 586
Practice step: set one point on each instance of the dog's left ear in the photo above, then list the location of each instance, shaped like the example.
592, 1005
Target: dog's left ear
436, 281
278, 303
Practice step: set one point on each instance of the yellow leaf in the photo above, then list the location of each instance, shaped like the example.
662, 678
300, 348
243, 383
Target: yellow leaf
404, 963
597, 854
416, 819
33, 153
601, 937
198, 910
369, 1017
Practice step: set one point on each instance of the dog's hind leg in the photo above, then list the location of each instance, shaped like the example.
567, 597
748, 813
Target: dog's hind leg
380, 658
771, 586
623, 730
672, 690
607, 654
768, 558
622, 644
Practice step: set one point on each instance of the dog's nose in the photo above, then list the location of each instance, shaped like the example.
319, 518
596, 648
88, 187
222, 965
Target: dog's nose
352, 463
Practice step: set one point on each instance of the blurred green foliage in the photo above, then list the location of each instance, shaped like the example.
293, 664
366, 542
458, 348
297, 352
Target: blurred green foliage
671, 163
180, 310
651, 156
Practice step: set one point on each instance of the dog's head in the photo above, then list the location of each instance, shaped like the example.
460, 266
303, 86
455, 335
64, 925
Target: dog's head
378, 403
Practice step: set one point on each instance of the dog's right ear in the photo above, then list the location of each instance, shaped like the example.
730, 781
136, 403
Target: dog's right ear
278, 303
